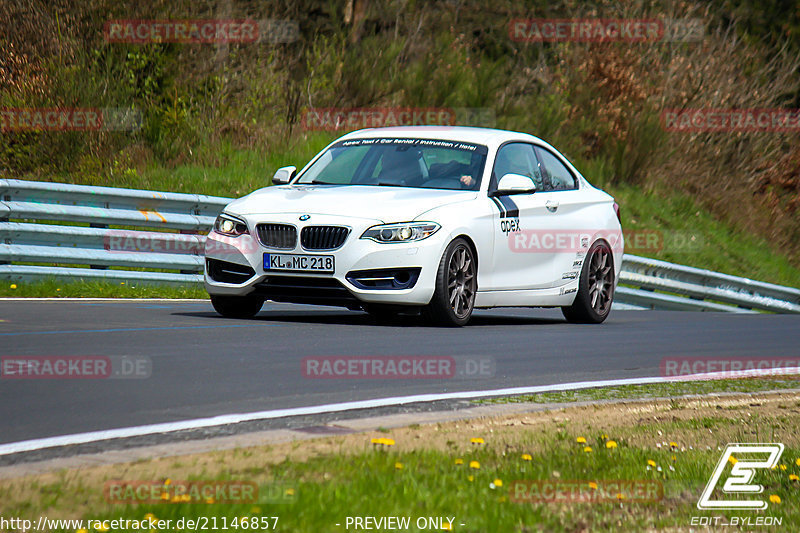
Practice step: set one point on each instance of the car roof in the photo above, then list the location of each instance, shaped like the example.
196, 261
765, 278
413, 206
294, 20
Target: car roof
486, 136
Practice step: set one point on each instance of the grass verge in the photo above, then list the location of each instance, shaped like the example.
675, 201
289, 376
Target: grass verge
655, 390
468, 471
97, 289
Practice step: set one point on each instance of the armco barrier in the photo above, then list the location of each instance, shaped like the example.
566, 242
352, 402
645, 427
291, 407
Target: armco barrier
37, 227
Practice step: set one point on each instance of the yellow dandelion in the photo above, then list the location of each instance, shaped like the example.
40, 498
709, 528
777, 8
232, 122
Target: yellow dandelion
527, 457
81, 531
593, 485
446, 526
186, 498
165, 496
13, 285
377, 441
398, 466
476, 440
794, 477
673, 444
797, 462
176, 499
498, 482
674, 458
388, 442
611, 444
783, 467
774, 498
587, 449
459, 461
289, 492
210, 500
167, 481
474, 464
732, 460
471, 478
581, 440
620, 496
604, 436
102, 527
652, 463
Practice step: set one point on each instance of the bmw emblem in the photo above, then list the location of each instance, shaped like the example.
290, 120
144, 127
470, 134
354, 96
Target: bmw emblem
304, 217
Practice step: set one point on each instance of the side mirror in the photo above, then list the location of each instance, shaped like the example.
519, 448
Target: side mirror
284, 175
514, 184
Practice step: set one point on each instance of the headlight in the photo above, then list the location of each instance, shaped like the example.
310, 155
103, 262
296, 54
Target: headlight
404, 232
230, 225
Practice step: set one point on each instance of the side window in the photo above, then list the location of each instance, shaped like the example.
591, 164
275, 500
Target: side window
516, 158
557, 176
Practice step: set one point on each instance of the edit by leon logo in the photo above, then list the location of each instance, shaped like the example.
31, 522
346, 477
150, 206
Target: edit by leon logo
740, 479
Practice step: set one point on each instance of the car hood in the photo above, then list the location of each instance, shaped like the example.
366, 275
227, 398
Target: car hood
386, 204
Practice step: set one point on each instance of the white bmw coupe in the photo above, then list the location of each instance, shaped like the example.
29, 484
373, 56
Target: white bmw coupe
437, 220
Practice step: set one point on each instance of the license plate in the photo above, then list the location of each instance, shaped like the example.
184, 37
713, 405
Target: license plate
299, 262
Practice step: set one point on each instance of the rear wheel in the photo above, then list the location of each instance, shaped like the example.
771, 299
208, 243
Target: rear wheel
237, 306
595, 288
456, 284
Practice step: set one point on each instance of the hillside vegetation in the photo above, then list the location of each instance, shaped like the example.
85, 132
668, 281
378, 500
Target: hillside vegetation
220, 118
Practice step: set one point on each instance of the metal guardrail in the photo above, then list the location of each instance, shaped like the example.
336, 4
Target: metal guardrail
125, 229
38, 227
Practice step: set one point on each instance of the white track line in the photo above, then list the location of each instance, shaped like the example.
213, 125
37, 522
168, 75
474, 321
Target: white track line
169, 427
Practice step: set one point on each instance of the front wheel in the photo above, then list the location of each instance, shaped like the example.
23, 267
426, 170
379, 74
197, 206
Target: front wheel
456, 285
595, 288
237, 306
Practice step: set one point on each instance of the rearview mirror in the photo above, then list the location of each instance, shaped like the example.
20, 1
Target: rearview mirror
514, 184
284, 175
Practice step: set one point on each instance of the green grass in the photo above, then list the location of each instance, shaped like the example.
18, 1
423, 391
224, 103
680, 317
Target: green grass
227, 171
411, 479
692, 236
96, 289
655, 390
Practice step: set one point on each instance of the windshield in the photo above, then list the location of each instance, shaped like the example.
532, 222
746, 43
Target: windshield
394, 162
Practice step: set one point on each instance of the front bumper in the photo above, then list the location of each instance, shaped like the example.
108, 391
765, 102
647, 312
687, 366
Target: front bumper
362, 273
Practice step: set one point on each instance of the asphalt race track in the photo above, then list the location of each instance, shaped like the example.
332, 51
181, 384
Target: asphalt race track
204, 365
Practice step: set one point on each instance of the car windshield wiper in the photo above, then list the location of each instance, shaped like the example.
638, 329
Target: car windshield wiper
384, 184
320, 182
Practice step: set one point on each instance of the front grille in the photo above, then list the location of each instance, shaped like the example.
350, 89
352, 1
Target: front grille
306, 290
225, 272
283, 236
323, 237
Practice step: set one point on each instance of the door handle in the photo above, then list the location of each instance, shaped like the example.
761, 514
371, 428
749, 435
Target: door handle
552, 206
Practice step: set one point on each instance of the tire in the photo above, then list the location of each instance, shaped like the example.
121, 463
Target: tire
456, 284
595, 295
237, 306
